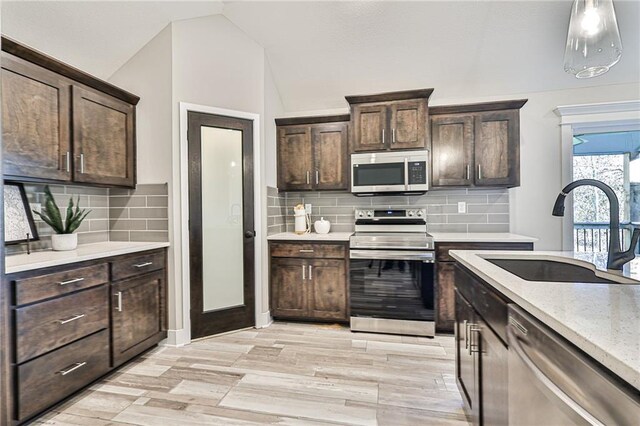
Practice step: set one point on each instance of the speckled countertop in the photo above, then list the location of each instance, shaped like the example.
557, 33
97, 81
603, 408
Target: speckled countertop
45, 259
601, 319
292, 236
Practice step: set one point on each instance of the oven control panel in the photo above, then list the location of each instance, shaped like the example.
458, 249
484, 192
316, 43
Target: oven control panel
390, 214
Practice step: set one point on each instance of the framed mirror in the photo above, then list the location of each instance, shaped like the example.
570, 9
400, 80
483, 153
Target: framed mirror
18, 219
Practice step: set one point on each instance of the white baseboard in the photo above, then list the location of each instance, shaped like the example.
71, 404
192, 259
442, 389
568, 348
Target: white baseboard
264, 319
178, 338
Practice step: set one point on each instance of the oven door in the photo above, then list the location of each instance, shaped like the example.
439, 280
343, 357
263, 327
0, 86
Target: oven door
392, 284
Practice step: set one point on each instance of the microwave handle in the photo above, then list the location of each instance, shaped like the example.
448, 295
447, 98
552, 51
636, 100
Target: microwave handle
406, 174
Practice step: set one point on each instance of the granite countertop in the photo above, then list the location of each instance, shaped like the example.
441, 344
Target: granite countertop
601, 319
44, 259
292, 236
480, 237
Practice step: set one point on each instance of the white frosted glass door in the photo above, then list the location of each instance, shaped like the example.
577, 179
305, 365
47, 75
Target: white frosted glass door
222, 220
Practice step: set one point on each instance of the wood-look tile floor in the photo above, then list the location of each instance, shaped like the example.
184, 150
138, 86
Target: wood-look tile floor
287, 374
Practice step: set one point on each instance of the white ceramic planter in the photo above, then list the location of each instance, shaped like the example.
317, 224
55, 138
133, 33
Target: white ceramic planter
64, 242
322, 226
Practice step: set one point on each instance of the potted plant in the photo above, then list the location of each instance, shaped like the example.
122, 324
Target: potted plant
64, 237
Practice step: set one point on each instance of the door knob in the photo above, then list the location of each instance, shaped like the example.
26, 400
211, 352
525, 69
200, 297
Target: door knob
249, 234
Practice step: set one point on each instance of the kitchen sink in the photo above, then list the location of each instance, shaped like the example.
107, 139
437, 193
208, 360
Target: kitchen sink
556, 271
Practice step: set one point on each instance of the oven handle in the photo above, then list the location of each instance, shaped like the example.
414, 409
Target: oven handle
424, 256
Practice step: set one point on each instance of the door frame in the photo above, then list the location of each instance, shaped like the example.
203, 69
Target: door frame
589, 118
262, 319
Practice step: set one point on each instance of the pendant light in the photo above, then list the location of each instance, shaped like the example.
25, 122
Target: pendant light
593, 41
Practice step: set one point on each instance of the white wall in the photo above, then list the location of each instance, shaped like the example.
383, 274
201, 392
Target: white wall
272, 109
210, 62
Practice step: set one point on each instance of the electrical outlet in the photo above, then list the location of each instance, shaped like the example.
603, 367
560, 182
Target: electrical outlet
307, 208
36, 206
462, 207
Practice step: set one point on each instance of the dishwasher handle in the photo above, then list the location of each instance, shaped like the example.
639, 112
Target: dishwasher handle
546, 385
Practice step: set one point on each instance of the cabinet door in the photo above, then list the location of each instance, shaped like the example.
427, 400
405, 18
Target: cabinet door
494, 379
103, 139
467, 363
330, 156
452, 150
445, 286
136, 315
289, 288
497, 148
328, 290
370, 128
408, 124
35, 121
295, 158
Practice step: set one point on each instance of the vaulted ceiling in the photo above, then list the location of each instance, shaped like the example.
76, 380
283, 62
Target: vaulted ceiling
321, 51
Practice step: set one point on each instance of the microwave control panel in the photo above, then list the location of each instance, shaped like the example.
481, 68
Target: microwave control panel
417, 172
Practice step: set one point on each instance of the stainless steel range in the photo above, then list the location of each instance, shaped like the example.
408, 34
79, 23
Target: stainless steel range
391, 271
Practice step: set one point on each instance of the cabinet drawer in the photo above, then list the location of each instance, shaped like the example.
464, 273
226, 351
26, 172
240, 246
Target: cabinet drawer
328, 251
48, 325
29, 290
442, 249
50, 378
137, 265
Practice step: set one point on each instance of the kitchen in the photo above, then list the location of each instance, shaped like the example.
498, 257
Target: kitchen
436, 182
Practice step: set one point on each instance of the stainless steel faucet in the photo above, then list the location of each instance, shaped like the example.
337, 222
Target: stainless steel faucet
616, 256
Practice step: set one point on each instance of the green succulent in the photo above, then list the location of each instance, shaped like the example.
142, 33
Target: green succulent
51, 214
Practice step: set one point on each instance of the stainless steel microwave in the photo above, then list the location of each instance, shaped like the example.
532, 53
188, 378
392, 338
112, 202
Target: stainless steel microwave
395, 172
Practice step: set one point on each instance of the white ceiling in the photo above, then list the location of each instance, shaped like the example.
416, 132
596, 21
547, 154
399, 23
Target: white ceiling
321, 51
96, 36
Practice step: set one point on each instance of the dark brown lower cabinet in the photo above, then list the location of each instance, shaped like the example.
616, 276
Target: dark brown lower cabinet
72, 324
309, 281
445, 277
135, 313
481, 352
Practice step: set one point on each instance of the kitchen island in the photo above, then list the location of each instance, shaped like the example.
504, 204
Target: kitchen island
597, 320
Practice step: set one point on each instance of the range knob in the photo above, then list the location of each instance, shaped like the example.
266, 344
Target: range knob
420, 213
369, 213
360, 214
411, 213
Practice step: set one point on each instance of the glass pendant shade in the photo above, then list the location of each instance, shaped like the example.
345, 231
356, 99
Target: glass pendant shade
593, 41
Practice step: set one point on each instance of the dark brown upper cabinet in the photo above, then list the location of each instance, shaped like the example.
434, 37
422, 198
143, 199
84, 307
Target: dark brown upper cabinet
396, 120
42, 100
35, 121
476, 144
103, 138
313, 153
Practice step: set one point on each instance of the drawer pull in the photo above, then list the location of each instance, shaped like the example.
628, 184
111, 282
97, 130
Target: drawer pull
306, 250
75, 280
73, 318
142, 265
73, 368
119, 296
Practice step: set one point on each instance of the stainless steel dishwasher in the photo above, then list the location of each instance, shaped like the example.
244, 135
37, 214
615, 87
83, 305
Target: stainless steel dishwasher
553, 383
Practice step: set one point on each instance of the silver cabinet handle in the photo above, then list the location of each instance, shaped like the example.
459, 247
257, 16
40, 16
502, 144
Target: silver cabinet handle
466, 334
468, 172
310, 272
393, 135
81, 163
317, 177
383, 136
73, 368
480, 171
304, 277
75, 280
119, 296
473, 347
68, 161
142, 265
306, 250
73, 318
308, 178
